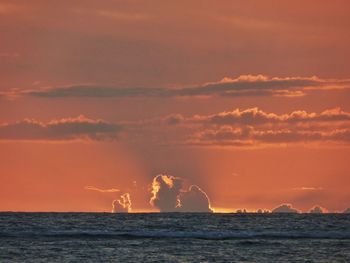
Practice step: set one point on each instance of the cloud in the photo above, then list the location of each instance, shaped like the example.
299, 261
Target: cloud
253, 126
165, 192
250, 136
194, 200
244, 85
285, 208
347, 211
64, 129
236, 128
122, 205
173, 119
256, 116
168, 196
91, 91
93, 188
317, 210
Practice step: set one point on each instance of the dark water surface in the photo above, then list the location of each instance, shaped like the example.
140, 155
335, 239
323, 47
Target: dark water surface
104, 237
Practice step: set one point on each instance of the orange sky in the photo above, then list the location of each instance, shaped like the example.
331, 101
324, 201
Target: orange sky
249, 100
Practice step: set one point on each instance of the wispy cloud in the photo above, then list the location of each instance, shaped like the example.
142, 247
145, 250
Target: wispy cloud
93, 188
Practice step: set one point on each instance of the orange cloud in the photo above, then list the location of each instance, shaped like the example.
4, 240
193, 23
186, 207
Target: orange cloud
93, 188
122, 205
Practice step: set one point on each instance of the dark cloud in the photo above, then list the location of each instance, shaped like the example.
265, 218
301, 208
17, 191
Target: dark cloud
245, 85
317, 210
252, 126
262, 211
168, 196
285, 208
97, 92
174, 119
122, 205
63, 129
194, 200
165, 191
249, 85
238, 128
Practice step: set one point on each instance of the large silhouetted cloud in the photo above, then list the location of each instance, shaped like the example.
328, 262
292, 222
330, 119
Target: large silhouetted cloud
63, 129
194, 200
285, 208
122, 205
244, 85
168, 196
165, 191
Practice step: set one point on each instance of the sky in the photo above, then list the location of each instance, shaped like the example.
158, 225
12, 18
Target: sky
174, 105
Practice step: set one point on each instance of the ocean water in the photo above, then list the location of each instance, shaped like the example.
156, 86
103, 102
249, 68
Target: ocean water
174, 237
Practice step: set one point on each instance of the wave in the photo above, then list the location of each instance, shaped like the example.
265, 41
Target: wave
178, 234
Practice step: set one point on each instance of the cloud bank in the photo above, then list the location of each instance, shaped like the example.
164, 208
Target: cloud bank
236, 128
63, 129
253, 126
168, 196
244, 85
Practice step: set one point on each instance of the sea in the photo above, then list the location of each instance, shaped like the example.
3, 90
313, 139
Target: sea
174, 237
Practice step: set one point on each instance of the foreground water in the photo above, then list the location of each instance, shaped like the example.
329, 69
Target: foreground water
103, 237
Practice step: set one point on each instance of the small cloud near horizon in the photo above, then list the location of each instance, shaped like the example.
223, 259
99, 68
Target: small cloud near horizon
318, 210
285, 208
122, 205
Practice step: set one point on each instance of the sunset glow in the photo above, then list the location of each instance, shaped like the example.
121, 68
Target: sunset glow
183, 106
